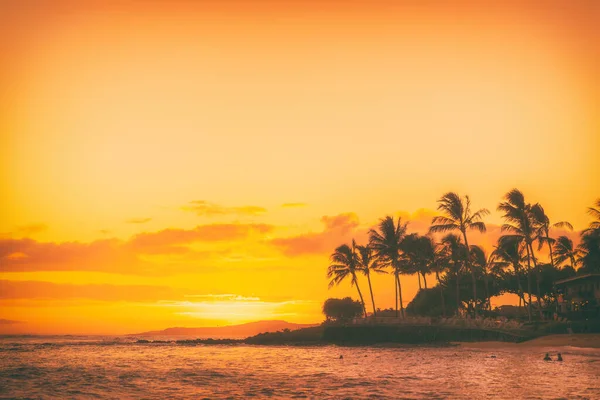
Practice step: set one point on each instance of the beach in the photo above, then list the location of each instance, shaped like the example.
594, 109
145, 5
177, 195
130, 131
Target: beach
581, 340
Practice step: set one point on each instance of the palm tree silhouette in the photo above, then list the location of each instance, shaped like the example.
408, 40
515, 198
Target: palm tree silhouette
344, 264
564, 250
544, 230
420, 254
510, 252
590, 242
480, 263
439, 266
454, 252
368, 262
595, 213
524, 226
387, 242
458, 216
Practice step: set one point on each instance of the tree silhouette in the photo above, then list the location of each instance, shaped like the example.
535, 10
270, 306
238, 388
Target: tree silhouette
510, 252
345, 264
543, 233
523, 226
458, 216
387, 242
455, 254
564, 250
368, 262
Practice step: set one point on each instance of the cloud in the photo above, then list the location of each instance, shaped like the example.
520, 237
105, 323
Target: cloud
138, 220
16, 290
204, 208
108, 255
9, 322
223, 297
31, 229
169, 241
118, 256
293, 205
337, 230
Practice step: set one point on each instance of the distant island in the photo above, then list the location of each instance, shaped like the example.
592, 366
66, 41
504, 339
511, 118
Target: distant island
228, 332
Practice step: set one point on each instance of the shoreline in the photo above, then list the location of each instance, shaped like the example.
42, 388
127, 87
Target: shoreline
580, 340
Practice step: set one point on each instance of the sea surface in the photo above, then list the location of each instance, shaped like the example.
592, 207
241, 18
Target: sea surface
117, 368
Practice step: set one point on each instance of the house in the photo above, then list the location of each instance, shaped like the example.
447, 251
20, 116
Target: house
579, 296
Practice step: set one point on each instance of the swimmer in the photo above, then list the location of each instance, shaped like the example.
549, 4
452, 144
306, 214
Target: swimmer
559, 357
547, 358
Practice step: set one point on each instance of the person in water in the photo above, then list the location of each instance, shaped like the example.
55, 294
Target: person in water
559, 357
547, 358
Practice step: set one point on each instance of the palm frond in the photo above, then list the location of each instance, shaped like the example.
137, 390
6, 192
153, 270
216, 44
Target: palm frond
480, 226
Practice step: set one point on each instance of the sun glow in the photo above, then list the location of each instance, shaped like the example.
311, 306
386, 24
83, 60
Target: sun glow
153, 152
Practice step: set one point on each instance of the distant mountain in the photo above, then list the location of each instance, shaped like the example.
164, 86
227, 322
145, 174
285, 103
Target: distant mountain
229, 332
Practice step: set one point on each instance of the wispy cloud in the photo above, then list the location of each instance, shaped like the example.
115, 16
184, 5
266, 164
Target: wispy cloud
293, 205
10, 322
337, 229
123, 256
205, 208
138, 220
30, 230
14, 290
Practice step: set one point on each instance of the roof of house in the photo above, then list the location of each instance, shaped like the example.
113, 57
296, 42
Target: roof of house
577, 278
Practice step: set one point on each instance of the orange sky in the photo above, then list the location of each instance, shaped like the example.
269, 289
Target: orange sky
194, 163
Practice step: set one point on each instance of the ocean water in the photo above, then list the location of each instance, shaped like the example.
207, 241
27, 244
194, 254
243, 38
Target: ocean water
85, 367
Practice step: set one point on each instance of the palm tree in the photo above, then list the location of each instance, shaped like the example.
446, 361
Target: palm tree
544, 228
564, 250
479, 261
420, 253
458, 216
590, 242
510, 253
523, 225
595, 213
439, 266
454, 253
345, 263
386, 241
367, 263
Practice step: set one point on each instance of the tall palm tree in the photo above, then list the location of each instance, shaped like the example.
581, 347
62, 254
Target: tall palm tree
368, 262
595, 213
590, 242
454, 252
420, 254
439, 266
345, 264
544, 228
523, 225
510, 252
564, 250
386, 241
479, 261
458, 216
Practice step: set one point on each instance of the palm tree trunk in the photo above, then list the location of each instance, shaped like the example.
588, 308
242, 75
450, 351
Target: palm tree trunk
371, 290
425, 281
437, 277
520, 288
457, 293
360, 294
464, 232
538, 278
550, 249
528, 282
396, 287
400, 295
487, 292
